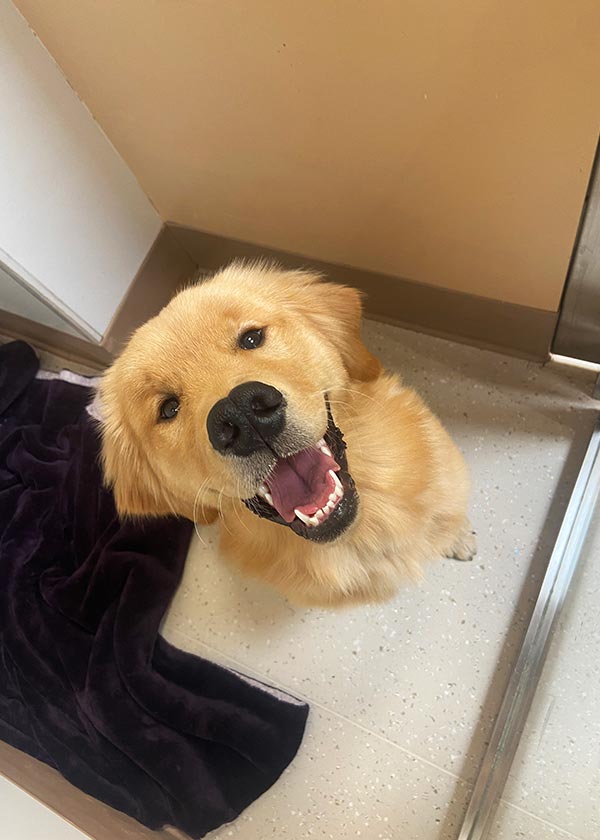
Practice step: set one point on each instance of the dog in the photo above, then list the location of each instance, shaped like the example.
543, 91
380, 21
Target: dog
251, 398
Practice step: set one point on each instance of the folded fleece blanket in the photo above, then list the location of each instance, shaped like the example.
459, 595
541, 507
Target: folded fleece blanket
87, 684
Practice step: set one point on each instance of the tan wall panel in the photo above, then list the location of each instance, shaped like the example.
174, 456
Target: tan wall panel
445, 142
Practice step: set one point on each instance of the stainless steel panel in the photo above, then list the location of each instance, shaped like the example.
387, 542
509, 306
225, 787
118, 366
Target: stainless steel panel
578, 331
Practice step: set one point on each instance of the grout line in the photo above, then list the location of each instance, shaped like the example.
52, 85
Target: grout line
540, 819
318, 705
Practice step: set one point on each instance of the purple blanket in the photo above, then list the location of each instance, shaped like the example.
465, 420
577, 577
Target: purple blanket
87, 684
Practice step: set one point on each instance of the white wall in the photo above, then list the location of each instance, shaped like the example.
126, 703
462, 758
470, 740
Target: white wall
74, 223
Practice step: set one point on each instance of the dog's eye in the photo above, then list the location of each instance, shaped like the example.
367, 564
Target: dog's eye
169, 408
251, 339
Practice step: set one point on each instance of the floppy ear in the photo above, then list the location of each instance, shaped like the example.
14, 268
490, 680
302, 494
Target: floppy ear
137, 490
127, 472
337, 312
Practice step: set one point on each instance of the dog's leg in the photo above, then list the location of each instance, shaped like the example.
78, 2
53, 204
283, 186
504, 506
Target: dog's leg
464, 546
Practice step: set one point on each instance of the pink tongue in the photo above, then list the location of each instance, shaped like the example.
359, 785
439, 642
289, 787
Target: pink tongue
302, 481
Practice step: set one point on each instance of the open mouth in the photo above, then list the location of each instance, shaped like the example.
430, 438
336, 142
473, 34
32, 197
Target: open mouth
311, 491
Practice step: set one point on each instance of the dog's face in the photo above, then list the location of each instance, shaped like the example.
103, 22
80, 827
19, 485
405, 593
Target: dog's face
224, 395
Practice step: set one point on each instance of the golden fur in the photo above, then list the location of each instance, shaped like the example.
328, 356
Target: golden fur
411, 479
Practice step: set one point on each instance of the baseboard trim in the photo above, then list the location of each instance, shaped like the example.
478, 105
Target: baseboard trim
179, 252
54, 341
167, 267
88, 814
492, 324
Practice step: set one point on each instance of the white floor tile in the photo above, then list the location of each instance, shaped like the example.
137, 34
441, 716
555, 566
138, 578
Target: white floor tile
513, 824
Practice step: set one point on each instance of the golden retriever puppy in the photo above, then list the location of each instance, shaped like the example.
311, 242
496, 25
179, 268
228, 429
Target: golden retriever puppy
252, 398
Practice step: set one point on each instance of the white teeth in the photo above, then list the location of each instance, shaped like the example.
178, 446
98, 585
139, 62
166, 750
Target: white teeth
319, 515
262, 491
324, 448
303, 517
311, 521
339, 490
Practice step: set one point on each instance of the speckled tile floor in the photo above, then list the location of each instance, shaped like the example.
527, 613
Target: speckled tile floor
556, 771
403, 695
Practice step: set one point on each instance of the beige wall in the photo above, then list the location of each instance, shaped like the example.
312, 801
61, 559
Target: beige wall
443, 141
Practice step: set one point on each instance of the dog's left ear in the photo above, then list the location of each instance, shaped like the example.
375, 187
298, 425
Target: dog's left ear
337, 312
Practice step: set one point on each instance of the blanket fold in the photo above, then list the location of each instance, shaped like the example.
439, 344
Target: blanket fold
87, 684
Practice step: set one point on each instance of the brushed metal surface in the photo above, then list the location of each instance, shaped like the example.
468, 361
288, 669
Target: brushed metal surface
578, 330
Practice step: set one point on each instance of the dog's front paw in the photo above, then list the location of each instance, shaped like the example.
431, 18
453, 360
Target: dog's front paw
465, 547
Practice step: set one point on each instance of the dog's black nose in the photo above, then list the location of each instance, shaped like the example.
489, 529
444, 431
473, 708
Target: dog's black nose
248, 419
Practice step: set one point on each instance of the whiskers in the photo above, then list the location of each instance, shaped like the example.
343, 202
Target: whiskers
198, 500
326, 393
236, 507
220, 510
357, 392
194, 518
349, 410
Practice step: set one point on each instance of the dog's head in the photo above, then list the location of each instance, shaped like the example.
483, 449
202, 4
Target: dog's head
224, 394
